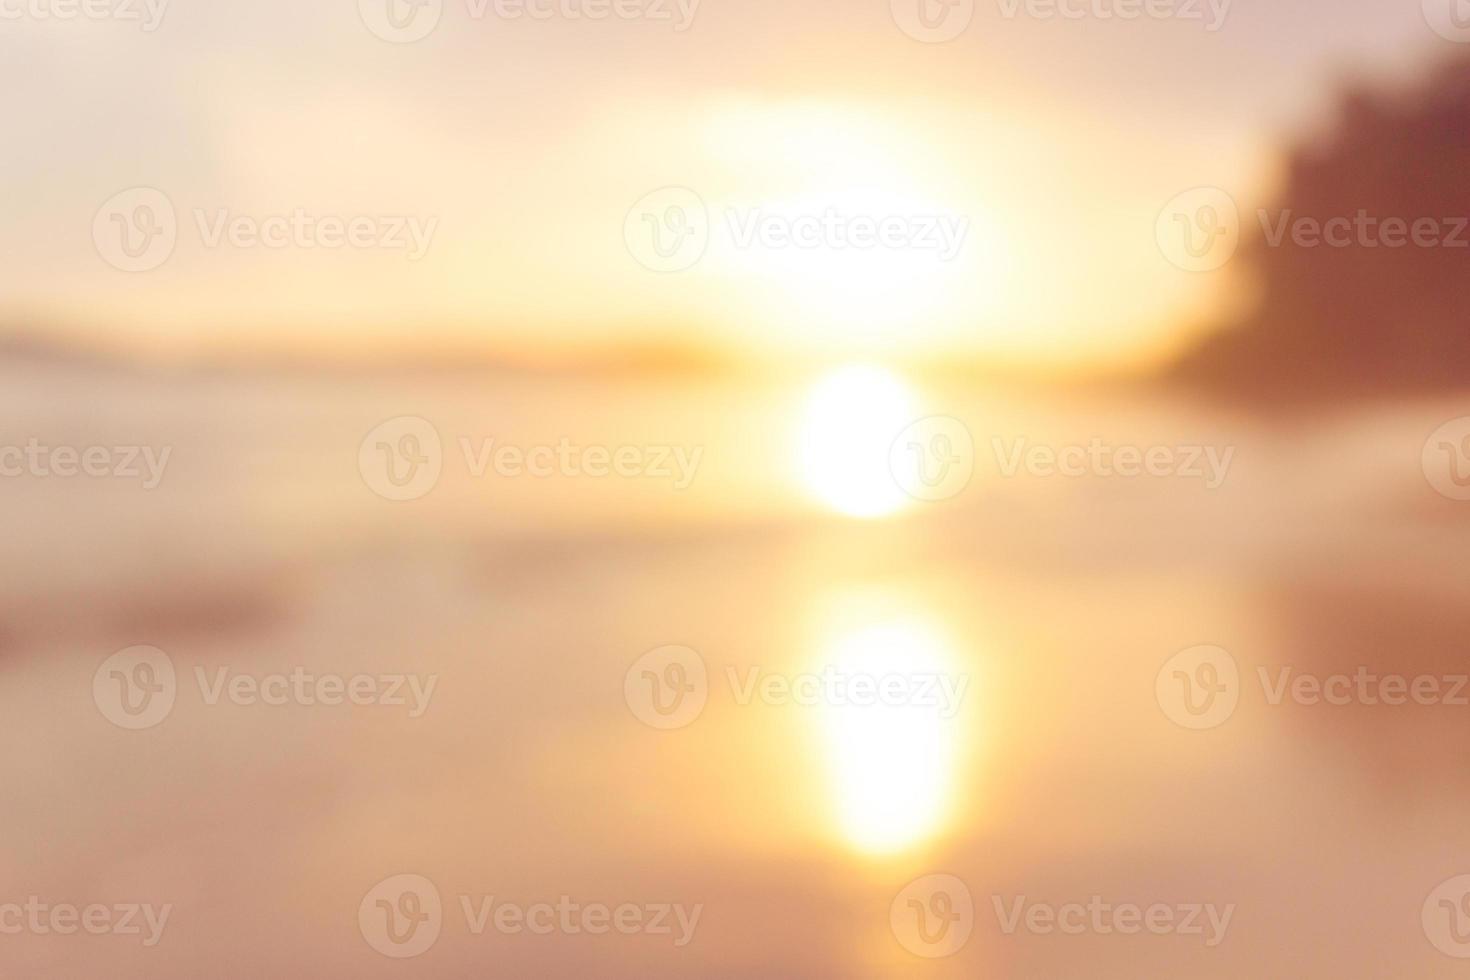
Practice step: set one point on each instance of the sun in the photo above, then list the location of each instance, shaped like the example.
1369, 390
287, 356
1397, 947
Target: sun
850, 420
842, 290
837, 227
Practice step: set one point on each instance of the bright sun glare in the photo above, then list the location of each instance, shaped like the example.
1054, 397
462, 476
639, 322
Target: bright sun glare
851, 418
891, 764
834, 169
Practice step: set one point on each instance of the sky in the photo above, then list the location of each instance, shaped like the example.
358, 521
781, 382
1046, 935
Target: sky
504, 164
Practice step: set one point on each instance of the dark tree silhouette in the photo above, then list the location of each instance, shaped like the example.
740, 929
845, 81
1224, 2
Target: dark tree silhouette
1363, 319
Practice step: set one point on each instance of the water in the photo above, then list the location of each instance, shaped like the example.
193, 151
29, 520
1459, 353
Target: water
528, 776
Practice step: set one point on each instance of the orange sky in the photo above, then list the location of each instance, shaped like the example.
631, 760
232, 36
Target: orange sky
517, 148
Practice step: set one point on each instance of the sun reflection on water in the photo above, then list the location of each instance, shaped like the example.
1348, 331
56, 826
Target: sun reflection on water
891, 730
